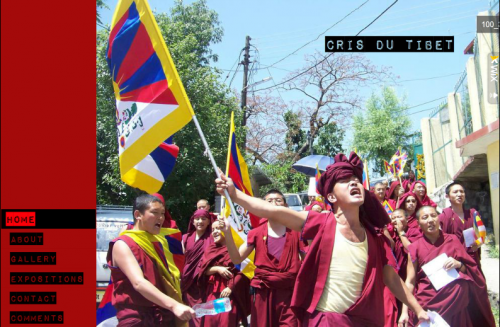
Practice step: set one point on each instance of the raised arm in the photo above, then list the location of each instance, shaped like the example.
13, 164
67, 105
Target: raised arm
237, 256
124, 259
285, 216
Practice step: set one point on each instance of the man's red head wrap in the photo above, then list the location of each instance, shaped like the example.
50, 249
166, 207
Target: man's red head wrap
373, 214
342, 168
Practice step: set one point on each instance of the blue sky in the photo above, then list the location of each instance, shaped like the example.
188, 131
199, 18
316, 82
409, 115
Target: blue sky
279, 27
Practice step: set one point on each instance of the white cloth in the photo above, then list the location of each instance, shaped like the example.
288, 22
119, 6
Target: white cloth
346, 274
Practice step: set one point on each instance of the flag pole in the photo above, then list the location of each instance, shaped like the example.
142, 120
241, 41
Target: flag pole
207, 148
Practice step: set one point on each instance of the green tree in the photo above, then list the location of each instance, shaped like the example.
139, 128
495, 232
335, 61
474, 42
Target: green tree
284, 177
329, 141
100, 5
295, 136
383, 128
189, 31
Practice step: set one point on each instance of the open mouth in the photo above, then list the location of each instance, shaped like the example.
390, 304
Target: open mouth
158, 225
355, 191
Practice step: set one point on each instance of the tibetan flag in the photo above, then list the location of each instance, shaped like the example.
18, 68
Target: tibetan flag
389, 168
154, 169
237, 170
387, 207
174, 240
398, 161
106, 312
151, 101
479, 229
317, 176
366, 177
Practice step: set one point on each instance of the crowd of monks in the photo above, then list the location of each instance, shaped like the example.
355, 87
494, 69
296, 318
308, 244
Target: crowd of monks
344, 261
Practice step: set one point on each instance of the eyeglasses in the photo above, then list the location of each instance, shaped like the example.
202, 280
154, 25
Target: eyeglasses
276, 200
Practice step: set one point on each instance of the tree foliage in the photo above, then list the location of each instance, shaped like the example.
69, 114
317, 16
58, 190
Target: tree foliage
189, 31
329, 141
383, 128
284, 177
329, 87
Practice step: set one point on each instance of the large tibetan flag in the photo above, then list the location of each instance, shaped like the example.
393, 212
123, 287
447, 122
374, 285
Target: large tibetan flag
237, 170
150, 99
479, 229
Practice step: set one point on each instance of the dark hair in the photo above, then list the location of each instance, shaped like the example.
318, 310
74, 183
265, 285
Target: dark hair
420, 210
274, 191
142, 203
448, 188
400, 209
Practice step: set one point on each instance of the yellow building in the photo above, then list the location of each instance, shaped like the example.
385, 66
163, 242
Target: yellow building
461, 137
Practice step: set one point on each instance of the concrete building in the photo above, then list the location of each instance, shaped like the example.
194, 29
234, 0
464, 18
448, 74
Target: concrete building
461, 137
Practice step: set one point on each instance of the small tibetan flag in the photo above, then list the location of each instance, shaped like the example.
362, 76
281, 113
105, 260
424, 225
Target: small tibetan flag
479, 229
387, 207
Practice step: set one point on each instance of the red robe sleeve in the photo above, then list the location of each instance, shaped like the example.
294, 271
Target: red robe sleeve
313, 224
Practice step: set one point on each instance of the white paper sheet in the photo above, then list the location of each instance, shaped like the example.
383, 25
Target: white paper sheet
436, 320
438, 276
469, 237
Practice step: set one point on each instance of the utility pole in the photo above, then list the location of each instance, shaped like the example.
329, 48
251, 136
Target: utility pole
245, 63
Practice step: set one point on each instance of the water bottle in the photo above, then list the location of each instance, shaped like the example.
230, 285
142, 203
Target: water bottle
212, 307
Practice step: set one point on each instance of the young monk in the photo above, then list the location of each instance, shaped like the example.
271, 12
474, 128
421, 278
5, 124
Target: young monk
455, 219
409, 181
394, 194
146, 286
461, 303
402, 237
277, 264
410, 203
219, 277
420, 190
341, 281
195, 243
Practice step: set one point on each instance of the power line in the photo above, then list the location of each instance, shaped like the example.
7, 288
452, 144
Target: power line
319, 34
383, 12
409, 114
230, 70
428, 78
317, 64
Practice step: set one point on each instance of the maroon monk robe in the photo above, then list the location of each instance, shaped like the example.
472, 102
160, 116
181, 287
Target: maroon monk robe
274, 279
217, 255
452, 224
401, 254
369, 309
407, 184
412, 219
133, 309
193, 251
426, 201
463, 302
390, 194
